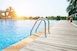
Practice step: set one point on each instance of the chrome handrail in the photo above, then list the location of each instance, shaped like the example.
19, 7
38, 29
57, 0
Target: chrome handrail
38, 26
42, 19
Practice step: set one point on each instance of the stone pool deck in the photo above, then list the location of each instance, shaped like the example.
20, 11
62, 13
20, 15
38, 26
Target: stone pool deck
63, 37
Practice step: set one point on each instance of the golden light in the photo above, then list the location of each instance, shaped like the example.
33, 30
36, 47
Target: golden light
20, 12
3, 14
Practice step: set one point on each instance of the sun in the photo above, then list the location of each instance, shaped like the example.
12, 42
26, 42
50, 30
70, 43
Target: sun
20, 13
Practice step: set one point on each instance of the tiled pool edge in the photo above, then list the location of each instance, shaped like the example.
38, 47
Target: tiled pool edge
24, 42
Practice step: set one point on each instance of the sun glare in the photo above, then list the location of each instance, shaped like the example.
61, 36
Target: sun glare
20, 13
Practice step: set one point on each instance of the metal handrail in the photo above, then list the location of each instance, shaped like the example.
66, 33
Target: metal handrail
42, 19
48, 26
38, 26
33, 27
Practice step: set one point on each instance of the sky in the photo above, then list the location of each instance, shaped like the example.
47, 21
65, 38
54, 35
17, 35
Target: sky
36, 7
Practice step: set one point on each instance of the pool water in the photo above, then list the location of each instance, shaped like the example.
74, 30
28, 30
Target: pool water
13, 31
75, 22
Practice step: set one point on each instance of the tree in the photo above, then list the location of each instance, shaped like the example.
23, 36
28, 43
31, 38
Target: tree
9, 12
71, 9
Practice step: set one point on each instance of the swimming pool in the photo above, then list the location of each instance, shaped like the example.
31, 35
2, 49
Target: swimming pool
75, 22
13, 31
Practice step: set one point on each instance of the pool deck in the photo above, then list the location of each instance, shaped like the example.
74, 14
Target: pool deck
62, 37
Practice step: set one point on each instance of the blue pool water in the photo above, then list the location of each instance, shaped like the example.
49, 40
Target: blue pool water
13, 31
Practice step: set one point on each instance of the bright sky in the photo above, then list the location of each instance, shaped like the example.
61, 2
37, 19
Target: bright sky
37, 7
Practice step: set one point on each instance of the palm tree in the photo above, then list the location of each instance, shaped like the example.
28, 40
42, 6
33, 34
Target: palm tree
71, 9
10, 12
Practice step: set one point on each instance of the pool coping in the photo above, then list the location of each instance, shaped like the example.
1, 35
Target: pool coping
17, 46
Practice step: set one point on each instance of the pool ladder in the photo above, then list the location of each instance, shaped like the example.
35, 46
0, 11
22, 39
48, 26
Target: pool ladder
44, 20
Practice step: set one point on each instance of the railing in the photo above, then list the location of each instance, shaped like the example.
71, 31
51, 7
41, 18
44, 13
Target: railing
44, 20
